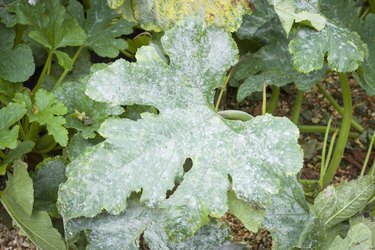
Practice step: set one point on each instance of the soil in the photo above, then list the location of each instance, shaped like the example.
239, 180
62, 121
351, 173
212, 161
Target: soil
315, 110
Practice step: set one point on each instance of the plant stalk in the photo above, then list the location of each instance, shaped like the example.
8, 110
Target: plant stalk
19, 34
222, 90
344, 130
65, 72
264, 99
322, 130
368, 154
337, 107
43, 73
297, 107
274, 99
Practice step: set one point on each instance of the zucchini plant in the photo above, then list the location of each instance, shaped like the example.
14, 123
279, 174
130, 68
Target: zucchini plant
111, 135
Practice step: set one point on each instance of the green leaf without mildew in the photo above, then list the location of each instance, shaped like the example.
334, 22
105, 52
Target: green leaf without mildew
336, 204
17, 198
84, 114
148, 154
8, 116
299, 11
161, 15
103, 27
46, 110
16, 64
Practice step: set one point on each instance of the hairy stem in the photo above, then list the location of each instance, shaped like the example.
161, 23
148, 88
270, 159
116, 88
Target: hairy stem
322, 130
368, 154
65, 72
222, 90
337, 107
274, 100
43, 73
297, 107
344, 131
19, 34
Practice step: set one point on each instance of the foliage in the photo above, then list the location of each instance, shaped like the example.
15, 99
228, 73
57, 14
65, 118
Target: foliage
124, 145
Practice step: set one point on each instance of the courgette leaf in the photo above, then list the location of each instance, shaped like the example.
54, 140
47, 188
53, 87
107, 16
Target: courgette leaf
336, 204
148, 154
125, 231
17, 198
358, 237
103, 27
163, 14
16, 64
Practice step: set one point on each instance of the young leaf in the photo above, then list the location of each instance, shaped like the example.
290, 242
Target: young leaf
124, 231
299, 11
17, 198
84, 114
163, 14
149, 153
46, 180
8, 116
334, 205
102, 33
16, 64
16, 154
46, 110
358, 237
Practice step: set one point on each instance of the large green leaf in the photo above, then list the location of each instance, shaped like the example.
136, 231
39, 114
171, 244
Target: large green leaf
17, 198
163, 14
46, 110
125, 230
102, 26
84, 114
273, 65
16, 64
8, 116
50, 24
299, 11
336, 204
148, 154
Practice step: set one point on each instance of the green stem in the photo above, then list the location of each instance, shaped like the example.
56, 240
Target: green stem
372, 170
322, 130
33, 131
223, 90
43, 73
65, 72
326, 163
274, 99
19, 34
344, 131
4, 99
337, 107
22, 131
324, 150
47, 149
264, 99
297, 107
2, 155
368, 154
127, 54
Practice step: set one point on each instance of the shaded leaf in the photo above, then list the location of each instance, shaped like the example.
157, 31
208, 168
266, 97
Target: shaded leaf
251, 218
299, 11
336, 204
46, 180
17, 198
9, 115
163, 14
16, 154
103, 27
78, 144
16, 64
84, 114
358, 237
149, 153
46, 110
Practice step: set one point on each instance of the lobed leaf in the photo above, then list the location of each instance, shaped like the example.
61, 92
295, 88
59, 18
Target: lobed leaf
16, 63
358, 237
46, 110
148, 154
102, 33
17, 198
336, 204
9, 115
164, 14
